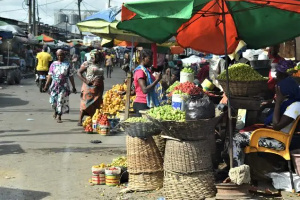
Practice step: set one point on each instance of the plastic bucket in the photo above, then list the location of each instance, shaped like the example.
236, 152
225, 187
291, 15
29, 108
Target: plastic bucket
112, 177
104, 130
186, 77
179, 101
207, 85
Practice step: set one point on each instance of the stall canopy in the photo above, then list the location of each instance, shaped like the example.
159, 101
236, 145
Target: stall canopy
44, 38
16, 30
197, 24
108, 15
6, 34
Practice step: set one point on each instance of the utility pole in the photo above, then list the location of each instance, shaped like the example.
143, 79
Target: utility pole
29, 16
109, 3
79, 12
33, 15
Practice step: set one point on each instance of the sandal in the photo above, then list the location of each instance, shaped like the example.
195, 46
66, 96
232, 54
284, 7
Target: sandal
79, 124
59, 121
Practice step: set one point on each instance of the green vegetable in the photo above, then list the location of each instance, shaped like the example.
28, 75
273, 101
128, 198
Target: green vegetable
179, 92
136, 119
167, 113
241, 72
171, 88
187, 70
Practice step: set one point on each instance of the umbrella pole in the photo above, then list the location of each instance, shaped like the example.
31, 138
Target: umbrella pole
129, 80
228, 90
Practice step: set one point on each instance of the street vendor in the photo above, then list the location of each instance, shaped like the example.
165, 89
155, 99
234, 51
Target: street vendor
145, 83
93, 84
286, 111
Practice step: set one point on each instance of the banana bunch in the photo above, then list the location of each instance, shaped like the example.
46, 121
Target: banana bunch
101, 166
241, 72
87, 121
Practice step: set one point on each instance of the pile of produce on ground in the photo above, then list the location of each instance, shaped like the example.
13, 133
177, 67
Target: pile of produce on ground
114, 101
109, 174
241, 72
167, 113
96, 123
187, 88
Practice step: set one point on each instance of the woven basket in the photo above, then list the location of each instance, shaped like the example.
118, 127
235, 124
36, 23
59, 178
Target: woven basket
192, 186
140, 130
245, 88
160, 143
145, 181
187, 157
143, 156
191, 130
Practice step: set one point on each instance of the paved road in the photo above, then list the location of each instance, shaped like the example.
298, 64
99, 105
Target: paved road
40, 159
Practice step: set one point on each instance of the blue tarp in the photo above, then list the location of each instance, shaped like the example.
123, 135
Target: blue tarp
6, 34
108, 15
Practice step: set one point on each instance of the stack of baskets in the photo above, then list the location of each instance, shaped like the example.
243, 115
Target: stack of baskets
188, 170
145, 164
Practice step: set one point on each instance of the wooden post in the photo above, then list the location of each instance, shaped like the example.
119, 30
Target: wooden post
128, 91
297, 48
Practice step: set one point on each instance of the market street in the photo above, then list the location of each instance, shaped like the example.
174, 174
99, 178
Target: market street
41, 159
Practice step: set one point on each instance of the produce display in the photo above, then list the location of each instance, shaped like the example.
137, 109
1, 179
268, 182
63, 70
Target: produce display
171, 88
167, 113
136, 119
188, 88
87, 121
114, 101
295, 71
101, 166
88, 128
120, 161
241, 72
187, 70
178, 92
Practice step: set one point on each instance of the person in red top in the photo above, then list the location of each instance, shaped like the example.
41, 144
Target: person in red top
141, 83
273, 55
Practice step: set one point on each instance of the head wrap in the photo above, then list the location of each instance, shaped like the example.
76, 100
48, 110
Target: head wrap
284, 65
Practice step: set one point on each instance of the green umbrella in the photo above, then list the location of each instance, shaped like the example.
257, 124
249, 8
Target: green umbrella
198, 23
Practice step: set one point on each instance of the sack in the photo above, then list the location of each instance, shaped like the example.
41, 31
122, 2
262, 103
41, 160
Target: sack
199, 107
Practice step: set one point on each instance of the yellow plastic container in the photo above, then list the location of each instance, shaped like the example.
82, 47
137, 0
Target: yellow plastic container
207, 85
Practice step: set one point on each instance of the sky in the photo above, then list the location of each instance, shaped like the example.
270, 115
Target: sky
17, 9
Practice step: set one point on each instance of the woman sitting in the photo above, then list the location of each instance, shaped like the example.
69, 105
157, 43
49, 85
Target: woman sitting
286, 111
93, 85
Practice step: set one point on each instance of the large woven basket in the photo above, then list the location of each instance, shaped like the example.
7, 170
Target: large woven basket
143, 156
140, 130
189, 186
245, 88
187, 156
191, 130
160, 143
145, 181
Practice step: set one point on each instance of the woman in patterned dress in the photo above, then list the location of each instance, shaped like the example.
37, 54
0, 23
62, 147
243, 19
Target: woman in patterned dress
59, 73
92, 86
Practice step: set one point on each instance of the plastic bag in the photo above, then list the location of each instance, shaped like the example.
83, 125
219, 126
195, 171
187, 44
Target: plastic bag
282, 181
199, 107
